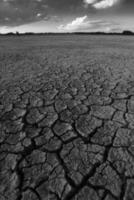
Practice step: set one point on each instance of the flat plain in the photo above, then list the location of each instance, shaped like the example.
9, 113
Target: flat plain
66, 117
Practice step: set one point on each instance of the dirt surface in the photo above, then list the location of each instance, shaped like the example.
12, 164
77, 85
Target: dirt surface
67, 118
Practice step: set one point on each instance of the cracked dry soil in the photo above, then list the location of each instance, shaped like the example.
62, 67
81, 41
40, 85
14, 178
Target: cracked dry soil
67, 118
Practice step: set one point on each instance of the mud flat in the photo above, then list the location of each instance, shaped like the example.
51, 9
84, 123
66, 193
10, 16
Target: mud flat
67, 118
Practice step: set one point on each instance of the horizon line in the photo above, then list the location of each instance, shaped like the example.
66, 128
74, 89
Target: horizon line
125, 32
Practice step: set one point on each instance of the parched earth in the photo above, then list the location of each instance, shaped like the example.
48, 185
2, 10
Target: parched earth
67, 119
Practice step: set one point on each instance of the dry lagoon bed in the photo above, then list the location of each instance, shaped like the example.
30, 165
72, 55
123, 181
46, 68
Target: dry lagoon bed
67, 118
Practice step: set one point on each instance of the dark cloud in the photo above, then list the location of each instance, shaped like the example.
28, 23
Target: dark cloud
20, 12
16, 12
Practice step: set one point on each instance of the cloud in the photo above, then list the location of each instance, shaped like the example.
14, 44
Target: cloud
90, 1
74, 25
103, 4
83, 24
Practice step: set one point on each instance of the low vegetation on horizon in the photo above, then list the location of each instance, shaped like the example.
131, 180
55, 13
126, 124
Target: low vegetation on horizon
125, 32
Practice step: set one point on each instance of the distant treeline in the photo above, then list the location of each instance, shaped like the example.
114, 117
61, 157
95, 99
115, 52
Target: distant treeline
125, 32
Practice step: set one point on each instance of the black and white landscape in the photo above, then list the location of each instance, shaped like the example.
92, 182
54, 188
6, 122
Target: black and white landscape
66, 100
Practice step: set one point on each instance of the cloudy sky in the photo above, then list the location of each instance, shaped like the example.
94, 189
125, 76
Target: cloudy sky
66, 15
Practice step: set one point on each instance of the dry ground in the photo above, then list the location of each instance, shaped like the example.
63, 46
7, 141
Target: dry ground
67, 118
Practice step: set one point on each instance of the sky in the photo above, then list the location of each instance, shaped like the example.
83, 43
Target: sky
66, 15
